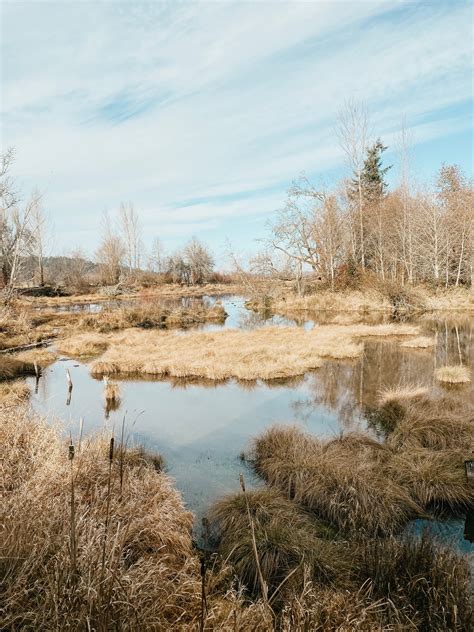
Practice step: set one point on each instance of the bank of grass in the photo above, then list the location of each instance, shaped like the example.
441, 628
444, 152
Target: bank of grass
365, 487
266, 353
419, 342
453, 375
315, 581
11, 368
88, 546
370, 296
148, 315
344, 481
164, 290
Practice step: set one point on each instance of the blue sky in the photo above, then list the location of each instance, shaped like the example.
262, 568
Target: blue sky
203, 113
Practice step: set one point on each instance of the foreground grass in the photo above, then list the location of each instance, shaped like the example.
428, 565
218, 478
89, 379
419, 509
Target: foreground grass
320, 582
98, 543
101, 541
267, 353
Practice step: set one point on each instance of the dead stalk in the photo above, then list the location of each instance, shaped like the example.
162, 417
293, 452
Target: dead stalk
263, 584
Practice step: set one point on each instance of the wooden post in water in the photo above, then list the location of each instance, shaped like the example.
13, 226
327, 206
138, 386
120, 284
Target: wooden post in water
469, 465
37, 373
69, 387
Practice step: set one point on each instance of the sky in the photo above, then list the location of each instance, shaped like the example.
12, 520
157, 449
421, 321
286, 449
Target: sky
203, 113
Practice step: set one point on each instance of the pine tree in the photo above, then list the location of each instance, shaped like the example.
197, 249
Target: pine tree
373, 174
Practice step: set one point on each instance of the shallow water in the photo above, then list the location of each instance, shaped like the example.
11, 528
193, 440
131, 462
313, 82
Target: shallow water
201, 429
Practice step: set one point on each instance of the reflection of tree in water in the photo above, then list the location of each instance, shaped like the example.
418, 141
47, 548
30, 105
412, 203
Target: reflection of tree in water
351, 389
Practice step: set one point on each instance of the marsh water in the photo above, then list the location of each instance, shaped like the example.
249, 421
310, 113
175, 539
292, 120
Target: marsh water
201, 428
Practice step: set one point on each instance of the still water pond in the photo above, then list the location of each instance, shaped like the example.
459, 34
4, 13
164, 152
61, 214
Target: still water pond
201, 429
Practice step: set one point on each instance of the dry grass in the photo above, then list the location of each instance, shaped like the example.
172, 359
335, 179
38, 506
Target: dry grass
83, 345
451, 299
435, 424
344, 481
328, 584
151, 315
111, 391
453, 375
405, 392
267, 353
134, 566
429, 440
43, 357
420, 342
424, 583
434, 479
325, 300
287, 540
13, 392
11, 368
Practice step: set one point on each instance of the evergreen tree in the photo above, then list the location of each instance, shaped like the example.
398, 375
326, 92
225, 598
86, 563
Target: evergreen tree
373, 174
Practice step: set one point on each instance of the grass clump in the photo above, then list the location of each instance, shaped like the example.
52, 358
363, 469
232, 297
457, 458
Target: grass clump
151, 315
436, 480
11, 368
453, 375
420, 342
288, 541
427, 583
83, 345
344, 481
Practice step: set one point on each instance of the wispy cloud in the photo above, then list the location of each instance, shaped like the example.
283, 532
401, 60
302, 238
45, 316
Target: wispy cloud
204, 112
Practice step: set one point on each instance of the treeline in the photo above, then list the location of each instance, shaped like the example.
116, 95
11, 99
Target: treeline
26, 241
408, 235
122, 254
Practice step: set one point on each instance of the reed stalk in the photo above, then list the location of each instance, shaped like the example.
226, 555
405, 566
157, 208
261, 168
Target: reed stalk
263, 584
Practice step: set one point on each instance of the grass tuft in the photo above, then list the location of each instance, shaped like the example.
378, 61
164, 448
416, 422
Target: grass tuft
453, 375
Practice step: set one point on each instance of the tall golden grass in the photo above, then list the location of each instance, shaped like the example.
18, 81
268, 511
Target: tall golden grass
287, 540
77, 557
267, 353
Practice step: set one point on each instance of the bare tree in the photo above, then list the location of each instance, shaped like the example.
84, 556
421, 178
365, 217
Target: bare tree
40, 238
111, 253
353, 132
157, 257
199, 260
131, 233
16, 236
